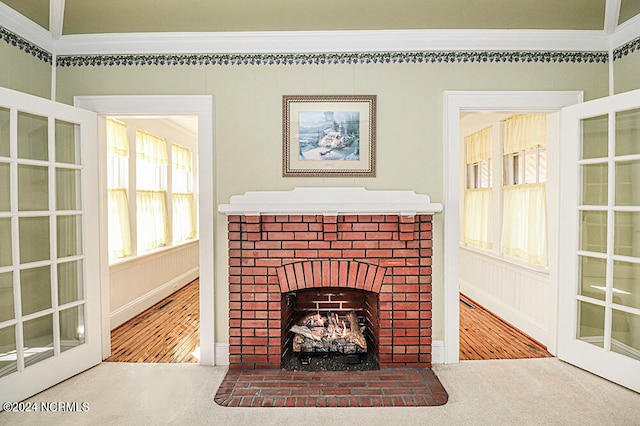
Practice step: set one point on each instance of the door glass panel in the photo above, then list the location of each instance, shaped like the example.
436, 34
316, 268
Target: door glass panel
626, 284
627, 233
32, 137
70, 281
628, 132
35, 289
591, 323
7, 311
594, 231
34, 239
67, 150
5, 181
594, 137
594, 184
69, 235
8, 360
628, 183
33, 188
4, 132
6, 252
625, 338
71, 327
38, 339
592, 277
67, 189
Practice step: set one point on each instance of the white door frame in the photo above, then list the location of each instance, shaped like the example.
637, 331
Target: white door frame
456, 102
202, 107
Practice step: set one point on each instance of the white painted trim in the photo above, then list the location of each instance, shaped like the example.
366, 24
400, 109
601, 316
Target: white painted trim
332, 41
222, 354
25, 28
454, 103
437, 352
330, 201
626, 32
203, 107
147, 300
611, 15
56, 18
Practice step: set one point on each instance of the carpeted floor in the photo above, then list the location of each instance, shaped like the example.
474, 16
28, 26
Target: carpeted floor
388, 387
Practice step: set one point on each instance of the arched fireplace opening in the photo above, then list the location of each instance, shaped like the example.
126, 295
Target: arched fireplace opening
330, 328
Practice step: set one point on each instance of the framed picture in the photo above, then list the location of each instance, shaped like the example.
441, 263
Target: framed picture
327, 136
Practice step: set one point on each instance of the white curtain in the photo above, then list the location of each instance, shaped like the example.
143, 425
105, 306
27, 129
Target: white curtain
523, 131
184, 219
478, 218
151, 148
181, 158
524, 223
152, 219
119, 230
478, 145
118, 206
117, 139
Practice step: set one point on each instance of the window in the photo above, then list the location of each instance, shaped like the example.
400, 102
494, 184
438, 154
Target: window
478, 193
151, 196
184, 219
117, 183
524, 224
153, 189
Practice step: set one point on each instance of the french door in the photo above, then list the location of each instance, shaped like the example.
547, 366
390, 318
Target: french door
49, 261
599, 264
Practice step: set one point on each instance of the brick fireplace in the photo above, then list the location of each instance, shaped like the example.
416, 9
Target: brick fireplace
331, 249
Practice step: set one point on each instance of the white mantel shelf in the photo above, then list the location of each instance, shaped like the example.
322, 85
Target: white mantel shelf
329, 202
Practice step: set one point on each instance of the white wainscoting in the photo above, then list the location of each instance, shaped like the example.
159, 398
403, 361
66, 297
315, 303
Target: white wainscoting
138, 284
523, 297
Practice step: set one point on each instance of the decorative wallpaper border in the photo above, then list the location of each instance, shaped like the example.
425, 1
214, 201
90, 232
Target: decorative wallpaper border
25, 45
332, 58
626, 49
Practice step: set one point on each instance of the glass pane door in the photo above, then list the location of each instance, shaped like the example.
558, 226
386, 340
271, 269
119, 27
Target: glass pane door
44, 281
600, 298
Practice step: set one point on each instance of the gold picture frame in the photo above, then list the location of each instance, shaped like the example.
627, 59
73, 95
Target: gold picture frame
329, 136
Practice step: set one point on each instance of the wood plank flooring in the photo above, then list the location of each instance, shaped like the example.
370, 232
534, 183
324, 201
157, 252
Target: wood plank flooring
485, 336
169, 331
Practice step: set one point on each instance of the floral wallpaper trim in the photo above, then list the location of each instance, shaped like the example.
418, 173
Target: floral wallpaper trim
332, 58
626, 49
28, 47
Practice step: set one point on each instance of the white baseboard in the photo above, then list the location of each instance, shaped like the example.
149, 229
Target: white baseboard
222, 353
437, 353
147, 300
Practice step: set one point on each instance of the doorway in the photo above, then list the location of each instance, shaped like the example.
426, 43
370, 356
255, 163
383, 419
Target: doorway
455, 104
153, 106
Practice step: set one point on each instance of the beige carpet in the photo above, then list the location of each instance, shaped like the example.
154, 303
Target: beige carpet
498, 392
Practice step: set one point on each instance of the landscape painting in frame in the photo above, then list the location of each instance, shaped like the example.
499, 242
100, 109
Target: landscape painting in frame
329, 135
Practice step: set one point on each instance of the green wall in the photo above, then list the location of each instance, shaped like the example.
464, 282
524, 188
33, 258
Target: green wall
24, 72
248, 122
626, 72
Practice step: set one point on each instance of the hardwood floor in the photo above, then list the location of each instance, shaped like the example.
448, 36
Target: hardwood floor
167, 332
485, 336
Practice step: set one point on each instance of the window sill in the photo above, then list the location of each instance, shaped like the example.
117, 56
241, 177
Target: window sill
123, 262
511, 262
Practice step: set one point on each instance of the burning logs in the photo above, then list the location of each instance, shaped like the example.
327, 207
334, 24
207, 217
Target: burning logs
330, 333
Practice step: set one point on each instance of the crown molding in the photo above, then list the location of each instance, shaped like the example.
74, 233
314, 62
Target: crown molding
626, 33
331, 42
25, 28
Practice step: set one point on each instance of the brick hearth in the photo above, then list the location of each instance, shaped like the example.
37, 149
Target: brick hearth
388, 255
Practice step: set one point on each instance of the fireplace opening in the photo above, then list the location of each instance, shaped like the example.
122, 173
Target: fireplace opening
329, 329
